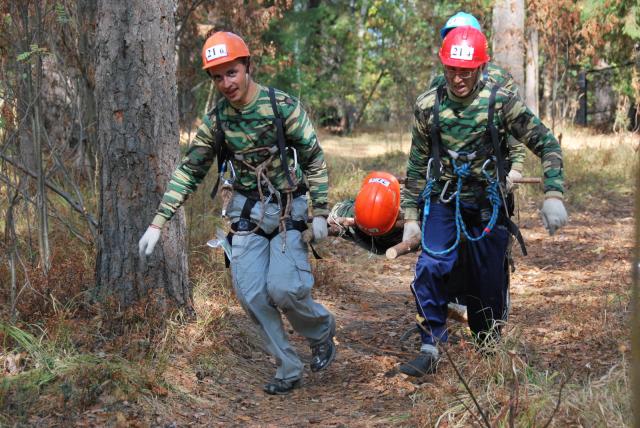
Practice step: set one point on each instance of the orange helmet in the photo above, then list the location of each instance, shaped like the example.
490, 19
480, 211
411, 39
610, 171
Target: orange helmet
222, 47
378, 203
464, 47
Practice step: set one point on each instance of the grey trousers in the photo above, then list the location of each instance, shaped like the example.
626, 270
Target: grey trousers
269, 282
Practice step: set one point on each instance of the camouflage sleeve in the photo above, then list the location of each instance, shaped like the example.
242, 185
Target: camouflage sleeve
501, 77
189, 174
517, 154
527, 127
302, 136
437, 81
416, 164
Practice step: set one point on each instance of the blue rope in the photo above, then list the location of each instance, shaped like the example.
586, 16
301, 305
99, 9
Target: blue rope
493, 193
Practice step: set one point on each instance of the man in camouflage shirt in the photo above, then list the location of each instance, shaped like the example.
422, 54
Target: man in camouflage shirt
465, 155
497, 75
268, 211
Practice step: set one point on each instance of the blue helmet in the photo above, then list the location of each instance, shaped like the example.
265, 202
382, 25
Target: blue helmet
460, 19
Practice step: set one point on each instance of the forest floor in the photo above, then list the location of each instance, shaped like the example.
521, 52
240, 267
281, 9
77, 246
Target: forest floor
565, 352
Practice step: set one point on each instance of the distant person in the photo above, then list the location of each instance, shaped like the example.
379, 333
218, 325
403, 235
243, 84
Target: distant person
457, 164
268, 138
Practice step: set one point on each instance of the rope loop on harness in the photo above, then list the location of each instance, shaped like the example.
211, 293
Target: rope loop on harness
462, 172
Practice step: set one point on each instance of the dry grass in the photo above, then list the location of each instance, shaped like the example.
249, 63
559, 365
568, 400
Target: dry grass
511, 391
72, 361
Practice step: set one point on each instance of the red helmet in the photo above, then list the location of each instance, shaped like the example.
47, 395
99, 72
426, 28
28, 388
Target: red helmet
464, 47
378, 203
222, 47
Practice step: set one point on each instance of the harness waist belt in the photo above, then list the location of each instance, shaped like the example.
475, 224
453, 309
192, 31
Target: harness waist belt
253, 194
244, 225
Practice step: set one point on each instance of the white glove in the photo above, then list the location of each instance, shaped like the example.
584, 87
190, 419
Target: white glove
411, 231
319, 227
513, 175
148, 241
554, 215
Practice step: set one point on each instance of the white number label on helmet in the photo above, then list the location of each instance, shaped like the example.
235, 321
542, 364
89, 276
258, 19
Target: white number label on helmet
216, 51
462, 52
380, 180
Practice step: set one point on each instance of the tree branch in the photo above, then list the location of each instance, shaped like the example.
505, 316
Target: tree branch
466, 386
72, 203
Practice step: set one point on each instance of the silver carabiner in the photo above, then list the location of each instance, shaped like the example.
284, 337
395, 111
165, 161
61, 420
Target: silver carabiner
268, 200
444, 190
295, 159
429, 168
485, 164
232, 170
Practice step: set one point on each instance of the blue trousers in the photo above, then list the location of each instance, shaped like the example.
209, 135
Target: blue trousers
486, 273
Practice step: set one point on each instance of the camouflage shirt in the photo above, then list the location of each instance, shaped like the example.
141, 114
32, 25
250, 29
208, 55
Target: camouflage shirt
245, 129
463, 124
502, 77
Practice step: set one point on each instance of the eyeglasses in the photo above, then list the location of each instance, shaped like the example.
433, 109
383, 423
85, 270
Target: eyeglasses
466, 74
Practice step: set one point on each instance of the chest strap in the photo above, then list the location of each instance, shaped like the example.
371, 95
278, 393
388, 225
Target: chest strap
434, 131
280, 137
222, 152
491, 136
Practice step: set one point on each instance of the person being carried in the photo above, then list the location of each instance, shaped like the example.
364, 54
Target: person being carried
272, 146
456, 169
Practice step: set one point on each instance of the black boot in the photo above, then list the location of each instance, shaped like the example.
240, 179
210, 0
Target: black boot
322, 355
424, 363
281, 386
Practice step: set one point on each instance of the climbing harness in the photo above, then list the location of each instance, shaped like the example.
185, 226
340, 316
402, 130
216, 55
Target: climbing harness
462, 171
461, 163
266, 192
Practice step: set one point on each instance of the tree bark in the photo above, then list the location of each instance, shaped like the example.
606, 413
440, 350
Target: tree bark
138, 134
531, 81
508, 37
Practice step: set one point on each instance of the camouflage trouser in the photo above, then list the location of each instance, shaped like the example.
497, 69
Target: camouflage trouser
268, 281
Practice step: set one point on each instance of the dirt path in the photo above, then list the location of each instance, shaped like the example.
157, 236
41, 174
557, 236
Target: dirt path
567, 313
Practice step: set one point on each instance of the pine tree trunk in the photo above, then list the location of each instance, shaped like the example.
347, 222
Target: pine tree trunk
138, 135
508, 37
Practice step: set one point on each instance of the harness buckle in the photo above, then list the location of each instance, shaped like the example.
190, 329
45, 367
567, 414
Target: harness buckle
444, 190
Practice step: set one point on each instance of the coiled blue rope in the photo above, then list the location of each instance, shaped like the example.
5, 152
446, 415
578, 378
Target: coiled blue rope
462, 171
